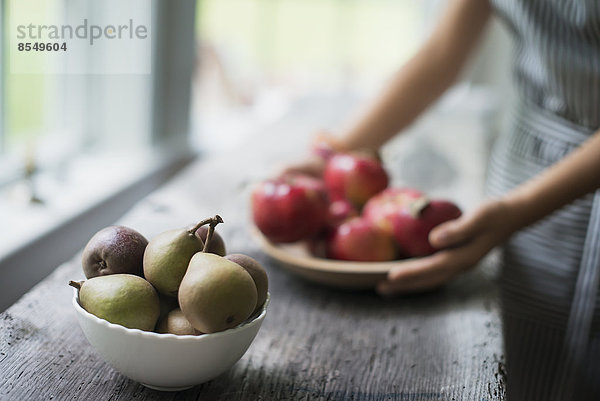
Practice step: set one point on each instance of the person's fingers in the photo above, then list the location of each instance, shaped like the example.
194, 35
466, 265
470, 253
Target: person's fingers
441, 264
312, 165
416, 276
429, 272
416, 267
466, 240
454, 232
414, 284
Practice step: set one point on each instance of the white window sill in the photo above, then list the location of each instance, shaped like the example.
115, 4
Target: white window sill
92, 192
64, 195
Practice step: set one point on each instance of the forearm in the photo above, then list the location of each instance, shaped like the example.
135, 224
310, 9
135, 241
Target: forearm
424, 78
571, 178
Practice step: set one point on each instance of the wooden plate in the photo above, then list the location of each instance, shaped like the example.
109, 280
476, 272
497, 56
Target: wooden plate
350, 275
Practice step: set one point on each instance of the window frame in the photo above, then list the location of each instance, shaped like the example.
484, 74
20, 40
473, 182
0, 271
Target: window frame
173, 38
2, 67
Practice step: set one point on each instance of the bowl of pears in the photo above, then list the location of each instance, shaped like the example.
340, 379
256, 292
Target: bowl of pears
172, 312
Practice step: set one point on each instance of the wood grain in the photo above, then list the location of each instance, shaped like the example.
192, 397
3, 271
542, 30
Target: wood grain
317, 343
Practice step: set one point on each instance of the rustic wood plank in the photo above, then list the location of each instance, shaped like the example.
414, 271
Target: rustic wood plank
316, 343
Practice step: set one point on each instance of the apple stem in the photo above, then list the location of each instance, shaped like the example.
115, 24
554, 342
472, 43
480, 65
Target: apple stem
211, 229
416, 207
76, 284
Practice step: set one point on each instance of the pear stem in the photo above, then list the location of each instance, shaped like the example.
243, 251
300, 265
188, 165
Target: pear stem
211, 229
76, 284
208, 220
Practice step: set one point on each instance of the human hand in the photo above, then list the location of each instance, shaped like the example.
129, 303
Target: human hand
323, 146
311, 164
462, 242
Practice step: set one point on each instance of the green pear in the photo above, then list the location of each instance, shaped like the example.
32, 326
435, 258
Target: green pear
123, 299
167, 257
175, 322
215, 293
258, 274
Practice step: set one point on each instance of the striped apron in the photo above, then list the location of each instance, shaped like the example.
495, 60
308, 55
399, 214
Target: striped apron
551, 270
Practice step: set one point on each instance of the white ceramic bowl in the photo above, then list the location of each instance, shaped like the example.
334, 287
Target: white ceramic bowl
167, 362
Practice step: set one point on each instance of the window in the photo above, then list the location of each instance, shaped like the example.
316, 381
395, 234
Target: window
51, 117
61, 129
86, 132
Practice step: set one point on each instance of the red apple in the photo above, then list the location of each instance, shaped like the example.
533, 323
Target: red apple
290, 208
358, 240
355, 177
339, 211
383, 208
317, 245
412, 228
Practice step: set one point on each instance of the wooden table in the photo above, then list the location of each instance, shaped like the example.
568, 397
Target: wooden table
317, 343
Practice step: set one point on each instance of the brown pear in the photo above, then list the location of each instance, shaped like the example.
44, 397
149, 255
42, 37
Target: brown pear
215, 293
258, 274
167, 304
216, 244
112, 250
175, 322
